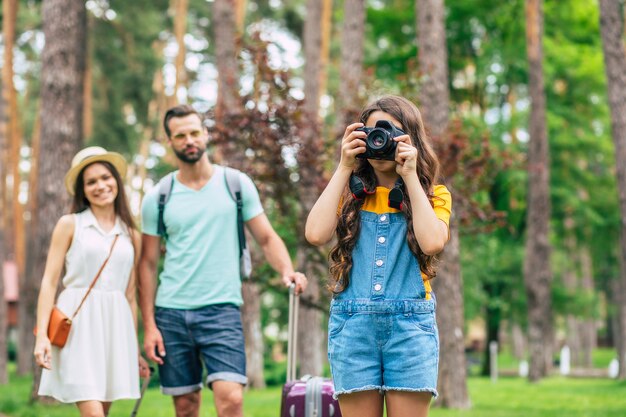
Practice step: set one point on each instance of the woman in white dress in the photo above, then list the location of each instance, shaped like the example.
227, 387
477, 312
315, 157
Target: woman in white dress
100, 362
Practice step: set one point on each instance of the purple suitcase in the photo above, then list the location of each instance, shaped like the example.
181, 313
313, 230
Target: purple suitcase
308, 396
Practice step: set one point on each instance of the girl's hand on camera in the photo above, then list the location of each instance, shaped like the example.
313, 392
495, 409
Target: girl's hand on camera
406, 156
352, 144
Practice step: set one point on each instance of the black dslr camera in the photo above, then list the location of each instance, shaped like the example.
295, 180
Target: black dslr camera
379, 143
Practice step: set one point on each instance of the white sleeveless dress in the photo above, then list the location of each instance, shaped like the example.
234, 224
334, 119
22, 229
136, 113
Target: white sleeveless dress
100, 359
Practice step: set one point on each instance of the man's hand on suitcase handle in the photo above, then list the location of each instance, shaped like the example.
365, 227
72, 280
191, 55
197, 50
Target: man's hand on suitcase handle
298, 279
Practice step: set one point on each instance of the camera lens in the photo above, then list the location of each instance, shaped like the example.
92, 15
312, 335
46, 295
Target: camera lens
377, 139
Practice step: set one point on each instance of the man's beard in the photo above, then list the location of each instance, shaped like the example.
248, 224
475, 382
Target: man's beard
190, 159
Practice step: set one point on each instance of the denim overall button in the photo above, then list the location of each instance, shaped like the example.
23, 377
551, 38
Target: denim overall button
379, 262
383, 218
377, 287
381, 239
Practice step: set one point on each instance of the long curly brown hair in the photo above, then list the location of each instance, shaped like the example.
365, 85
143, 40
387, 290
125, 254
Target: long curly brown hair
349, 225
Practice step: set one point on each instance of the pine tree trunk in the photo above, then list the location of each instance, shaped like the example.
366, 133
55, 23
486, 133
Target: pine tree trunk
611, 25
226, 40
11, 131
351, 64
229, 105
62, 84
326, 30
253, 334
240, 15
587, 327
433, 64
518, 340
434, 104
310, 336
12, 210
452, 384
4, 357
570, 282
493, 319
180, 28
537, 270
88, 89
4, 377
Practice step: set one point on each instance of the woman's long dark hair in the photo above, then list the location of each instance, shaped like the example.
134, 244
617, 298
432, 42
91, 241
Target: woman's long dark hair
348, 225
122, 209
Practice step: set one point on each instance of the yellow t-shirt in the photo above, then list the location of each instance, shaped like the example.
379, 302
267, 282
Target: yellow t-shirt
442, 201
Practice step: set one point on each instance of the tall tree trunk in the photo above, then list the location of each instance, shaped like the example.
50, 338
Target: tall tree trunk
518, 340
229, 105
616, 297
611, 26
226, 40
434, 104
537, 270
240, 15
35, 144
181, 8
7, 120
11, 132
88, 90
493, 318
12, 211
253, 333
452, 385
62, 84
570, 282
4, 375
310, 336
351, 64
588, 329
326, 30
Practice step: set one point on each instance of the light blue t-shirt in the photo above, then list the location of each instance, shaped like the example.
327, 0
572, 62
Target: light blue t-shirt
202, 247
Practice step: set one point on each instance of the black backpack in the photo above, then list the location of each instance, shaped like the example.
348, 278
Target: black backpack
233, 184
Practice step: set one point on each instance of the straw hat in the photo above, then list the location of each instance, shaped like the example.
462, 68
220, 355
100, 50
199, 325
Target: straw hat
89, 156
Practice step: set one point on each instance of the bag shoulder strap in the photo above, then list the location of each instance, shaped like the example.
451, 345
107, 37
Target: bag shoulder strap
233, 184
165, 191
96, 277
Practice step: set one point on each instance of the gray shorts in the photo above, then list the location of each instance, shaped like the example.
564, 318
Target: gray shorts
212, 335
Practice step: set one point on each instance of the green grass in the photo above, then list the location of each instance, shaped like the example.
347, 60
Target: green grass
508, 397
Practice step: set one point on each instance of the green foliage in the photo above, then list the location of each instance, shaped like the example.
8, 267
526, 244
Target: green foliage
124, 61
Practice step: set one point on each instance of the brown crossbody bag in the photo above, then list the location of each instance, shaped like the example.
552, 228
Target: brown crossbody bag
59, 325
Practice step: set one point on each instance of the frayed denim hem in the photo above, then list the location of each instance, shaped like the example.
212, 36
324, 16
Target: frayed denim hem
431, 390
350, 391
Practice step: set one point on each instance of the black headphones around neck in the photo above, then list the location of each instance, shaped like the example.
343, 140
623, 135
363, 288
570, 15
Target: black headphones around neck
359, 192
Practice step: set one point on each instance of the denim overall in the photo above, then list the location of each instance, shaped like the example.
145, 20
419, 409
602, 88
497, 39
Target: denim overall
382, 333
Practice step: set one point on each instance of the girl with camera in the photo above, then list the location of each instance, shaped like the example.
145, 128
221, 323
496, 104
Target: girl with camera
390, 217
98, 246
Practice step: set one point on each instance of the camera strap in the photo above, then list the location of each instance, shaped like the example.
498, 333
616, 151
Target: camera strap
396, 196
359, 192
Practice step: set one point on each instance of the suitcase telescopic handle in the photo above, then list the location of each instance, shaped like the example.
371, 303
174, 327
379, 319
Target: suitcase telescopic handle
292, 337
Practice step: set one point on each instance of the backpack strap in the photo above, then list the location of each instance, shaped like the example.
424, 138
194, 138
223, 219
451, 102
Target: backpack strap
233, 184
165, 191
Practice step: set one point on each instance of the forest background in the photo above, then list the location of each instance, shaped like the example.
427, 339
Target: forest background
522, 100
